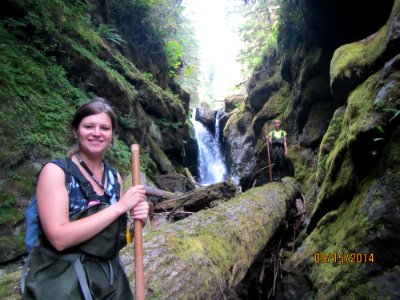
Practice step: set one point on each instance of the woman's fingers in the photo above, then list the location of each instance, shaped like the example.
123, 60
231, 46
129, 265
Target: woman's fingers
133, 196
140, 211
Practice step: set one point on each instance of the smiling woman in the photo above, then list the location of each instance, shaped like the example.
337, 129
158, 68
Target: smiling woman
83, 218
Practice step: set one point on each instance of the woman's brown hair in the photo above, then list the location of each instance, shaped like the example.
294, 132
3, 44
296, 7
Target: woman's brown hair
95, 106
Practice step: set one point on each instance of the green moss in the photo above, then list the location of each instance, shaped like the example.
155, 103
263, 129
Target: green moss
8, 212
111, 73
234, 118
209, 245
9, 286
119, 156
131, 73
36, 95
328, 142
205, 246
335, 167
342, 231
147, 164
350, 57
301, 170
279, 104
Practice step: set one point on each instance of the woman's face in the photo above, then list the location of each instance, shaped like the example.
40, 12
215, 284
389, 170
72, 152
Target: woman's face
277, 125
94, 133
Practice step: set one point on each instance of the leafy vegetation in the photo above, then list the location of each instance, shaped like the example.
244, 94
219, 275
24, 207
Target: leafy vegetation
33, 83
165, 124
147, 164
174, 52
7, 210
258, 32
152, 29
111, 34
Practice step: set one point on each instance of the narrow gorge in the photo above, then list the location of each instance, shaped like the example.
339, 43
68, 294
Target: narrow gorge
334, 81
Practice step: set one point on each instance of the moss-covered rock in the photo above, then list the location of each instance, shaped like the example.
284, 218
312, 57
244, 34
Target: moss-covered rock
347, 254
353, 63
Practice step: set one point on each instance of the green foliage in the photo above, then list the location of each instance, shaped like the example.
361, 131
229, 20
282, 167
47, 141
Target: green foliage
48, 18
388, 106
7, 211
126, 122
174, 51
110, 33
21, 180
258, 32
106, 67
149, 76
119, 156
190, 77
36, 95
165, 124
240, 106
147, 164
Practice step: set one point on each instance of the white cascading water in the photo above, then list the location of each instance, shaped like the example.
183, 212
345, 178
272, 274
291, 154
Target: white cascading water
217, 117
211, 165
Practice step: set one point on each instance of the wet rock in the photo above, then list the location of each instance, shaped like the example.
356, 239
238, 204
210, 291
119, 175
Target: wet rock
174, 182
206, 115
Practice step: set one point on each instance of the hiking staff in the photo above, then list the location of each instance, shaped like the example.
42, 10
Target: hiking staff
137, 235
269, 159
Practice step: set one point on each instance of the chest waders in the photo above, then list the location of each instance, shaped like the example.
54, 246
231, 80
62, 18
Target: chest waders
278, 153
90, 270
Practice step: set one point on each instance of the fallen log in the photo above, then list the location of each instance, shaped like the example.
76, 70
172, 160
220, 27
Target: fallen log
150, 191
207, 254
199, 198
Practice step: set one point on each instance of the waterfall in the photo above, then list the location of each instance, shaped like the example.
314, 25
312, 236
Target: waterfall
217, 117
210, 162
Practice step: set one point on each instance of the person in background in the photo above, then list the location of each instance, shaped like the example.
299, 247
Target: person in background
78, 256
278, 145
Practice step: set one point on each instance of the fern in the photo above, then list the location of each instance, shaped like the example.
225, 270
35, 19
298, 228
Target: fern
110, 34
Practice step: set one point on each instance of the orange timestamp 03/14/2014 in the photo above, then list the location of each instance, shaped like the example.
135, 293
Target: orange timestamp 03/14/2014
344, 258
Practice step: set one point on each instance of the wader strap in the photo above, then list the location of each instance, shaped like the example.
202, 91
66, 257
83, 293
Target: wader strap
111, 274
75, 260
25, 268
82, 279
24, 271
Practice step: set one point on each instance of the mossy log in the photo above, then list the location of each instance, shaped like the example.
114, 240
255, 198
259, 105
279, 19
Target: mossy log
150, 191
207, 254
199, 198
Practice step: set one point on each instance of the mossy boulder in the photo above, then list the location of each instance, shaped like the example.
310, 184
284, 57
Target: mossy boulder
353, 63
353, 251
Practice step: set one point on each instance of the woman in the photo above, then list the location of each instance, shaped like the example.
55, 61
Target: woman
279, 149
55, 271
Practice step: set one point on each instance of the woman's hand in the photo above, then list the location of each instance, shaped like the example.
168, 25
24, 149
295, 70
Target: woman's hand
141, 212
132, 197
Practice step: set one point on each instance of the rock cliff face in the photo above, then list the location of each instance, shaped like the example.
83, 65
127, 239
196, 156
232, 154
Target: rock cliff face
335, 84
54, 57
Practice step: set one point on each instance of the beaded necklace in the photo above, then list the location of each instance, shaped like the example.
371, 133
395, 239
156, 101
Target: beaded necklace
103, 178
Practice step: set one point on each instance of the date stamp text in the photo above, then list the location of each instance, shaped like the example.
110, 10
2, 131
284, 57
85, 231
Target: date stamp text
344, 258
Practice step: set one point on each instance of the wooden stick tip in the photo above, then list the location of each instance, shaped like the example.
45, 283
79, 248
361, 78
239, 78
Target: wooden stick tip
134, 147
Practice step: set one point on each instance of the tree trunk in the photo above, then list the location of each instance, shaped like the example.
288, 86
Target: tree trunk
207, 254
199, 198
150, 191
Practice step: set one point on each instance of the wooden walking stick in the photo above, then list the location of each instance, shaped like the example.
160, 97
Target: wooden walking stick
137, 235
269, 158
